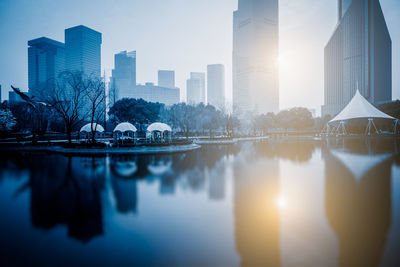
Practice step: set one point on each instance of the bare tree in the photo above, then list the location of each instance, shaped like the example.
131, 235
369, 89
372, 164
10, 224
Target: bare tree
67, 96
96, 96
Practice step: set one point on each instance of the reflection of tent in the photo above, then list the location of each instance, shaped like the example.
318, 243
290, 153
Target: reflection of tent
87, 128
159, 168
360, 164
358, 108
125, 169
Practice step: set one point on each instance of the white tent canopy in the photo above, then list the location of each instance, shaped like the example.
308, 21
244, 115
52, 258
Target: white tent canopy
87, 128
125, 127
159, 127
359, 107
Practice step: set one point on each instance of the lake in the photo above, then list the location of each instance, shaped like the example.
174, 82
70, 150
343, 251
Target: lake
280, 202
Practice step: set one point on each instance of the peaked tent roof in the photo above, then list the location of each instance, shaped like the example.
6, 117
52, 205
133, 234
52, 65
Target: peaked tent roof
160, 127
125, 127
87, 128
359, 107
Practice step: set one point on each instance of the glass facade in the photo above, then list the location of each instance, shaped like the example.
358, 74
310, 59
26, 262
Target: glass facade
46, 59
166, 78
124, 73
195, 88
83, 50
216, 85
358, 55
255, 54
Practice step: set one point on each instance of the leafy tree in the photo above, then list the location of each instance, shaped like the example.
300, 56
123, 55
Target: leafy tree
183, 117
7, 121
264, 122
135, 111
295, 118
209, 117
392, 109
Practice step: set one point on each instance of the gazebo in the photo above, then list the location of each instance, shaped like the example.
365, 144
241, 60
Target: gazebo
124, 131
358, 109
158, 131
86, 131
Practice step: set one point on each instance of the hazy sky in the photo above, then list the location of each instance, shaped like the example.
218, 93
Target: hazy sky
183, 35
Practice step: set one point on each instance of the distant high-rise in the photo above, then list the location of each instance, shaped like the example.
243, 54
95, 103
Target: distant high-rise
46, 60
153, 93
359, 52
255, 54
216, 85
195, 88
83, 50
166, 78
0, 94
123, 78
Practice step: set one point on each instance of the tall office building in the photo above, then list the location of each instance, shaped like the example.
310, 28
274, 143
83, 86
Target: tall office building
0, 94
359, 52
46, 60
123, 78
255, 53
166, 78
83, 50
216, 85
195, 88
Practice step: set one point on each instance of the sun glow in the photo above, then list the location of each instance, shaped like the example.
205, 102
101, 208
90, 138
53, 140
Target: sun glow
281, 202
283, 62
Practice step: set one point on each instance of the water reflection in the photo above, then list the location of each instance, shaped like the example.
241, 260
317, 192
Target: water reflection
64, 194
358, 198
257, 217
270, 203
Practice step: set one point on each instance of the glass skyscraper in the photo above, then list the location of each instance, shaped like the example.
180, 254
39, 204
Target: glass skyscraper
358, 53
216, 85
255, 54
83, 50
195, 88
123, 78
46, 59
166, 78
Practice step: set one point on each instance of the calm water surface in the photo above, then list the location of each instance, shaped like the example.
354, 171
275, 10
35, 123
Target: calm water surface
275, 203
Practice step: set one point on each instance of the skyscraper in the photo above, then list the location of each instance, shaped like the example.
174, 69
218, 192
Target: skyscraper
255, 55
46, 60
195, 88
83, 50
359, 52
166, 78
123, 78
216, 85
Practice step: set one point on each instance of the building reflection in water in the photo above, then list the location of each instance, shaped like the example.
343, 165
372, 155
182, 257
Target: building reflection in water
68, 192
358, 198
257, 218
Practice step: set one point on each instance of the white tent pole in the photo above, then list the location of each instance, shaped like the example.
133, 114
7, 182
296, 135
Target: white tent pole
395, 126
373, 124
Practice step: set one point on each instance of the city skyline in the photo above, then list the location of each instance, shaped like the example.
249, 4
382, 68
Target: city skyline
293, 23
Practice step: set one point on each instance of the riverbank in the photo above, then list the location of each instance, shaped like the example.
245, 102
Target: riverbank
103, 151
